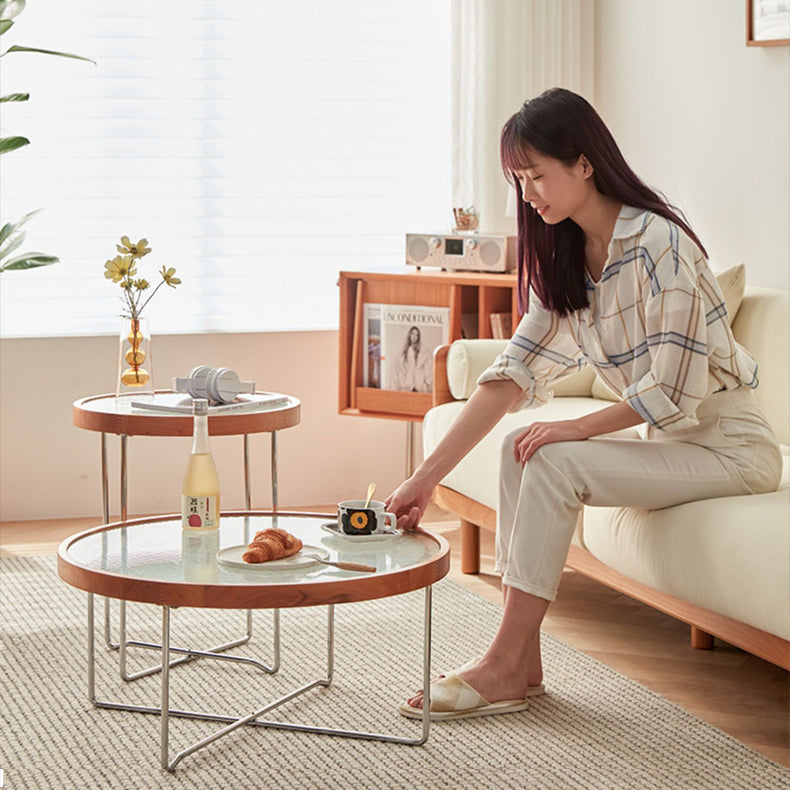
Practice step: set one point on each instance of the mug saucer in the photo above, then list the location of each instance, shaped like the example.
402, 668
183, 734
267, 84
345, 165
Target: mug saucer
333, 529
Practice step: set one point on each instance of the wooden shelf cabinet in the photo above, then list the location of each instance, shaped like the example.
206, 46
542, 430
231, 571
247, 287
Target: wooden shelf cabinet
471, 298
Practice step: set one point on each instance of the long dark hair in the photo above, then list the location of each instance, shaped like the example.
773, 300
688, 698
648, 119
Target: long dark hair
562, 125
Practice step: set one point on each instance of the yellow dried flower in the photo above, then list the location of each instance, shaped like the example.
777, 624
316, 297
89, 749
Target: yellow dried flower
119, 267
168, 275
122, 269
135, 250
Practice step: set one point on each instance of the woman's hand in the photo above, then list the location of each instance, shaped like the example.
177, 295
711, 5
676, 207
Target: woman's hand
409, 502
540, 433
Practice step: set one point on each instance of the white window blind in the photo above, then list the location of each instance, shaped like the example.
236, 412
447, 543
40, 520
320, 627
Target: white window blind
260, 146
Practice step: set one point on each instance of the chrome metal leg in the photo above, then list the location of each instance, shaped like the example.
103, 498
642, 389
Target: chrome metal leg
247, 489
253, 718
248, 507
274, 470
190, 654
164, 730
105, 512
106, 516
124, 478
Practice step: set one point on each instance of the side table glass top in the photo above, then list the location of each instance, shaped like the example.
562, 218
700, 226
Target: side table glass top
158, 552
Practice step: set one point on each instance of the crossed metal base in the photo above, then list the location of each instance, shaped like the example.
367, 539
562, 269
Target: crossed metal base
253, 719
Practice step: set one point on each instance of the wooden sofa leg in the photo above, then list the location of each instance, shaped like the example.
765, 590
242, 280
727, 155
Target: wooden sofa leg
470, 547
701, 640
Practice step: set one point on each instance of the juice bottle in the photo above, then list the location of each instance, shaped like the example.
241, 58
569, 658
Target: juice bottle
200, 489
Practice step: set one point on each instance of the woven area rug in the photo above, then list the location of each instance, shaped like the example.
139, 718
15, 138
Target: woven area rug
595, 728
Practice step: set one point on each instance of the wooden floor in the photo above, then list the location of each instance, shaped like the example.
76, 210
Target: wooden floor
736, 692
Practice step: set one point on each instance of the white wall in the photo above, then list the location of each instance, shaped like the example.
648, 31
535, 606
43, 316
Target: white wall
50, 469
705, 119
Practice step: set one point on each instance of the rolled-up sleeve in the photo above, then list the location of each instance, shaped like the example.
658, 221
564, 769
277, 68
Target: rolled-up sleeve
675, 347
541, 351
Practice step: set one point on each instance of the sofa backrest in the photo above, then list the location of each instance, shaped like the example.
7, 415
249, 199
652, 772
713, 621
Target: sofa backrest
762, 327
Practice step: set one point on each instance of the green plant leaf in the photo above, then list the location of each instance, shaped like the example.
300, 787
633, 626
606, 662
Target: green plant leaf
15, 97
5, 24
14, 242
11, 227
28, 260
17, 48
7, 230
12, 143
11, 8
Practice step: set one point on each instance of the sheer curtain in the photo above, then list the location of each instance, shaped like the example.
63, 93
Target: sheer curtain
506, 51
259, 145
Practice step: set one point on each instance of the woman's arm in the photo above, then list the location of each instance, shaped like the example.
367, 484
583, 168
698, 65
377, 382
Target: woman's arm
484, 409
612, 418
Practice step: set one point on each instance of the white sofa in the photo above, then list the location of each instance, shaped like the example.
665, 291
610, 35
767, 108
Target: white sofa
721, 565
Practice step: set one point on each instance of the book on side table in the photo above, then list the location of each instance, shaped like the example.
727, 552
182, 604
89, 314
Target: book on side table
178, 403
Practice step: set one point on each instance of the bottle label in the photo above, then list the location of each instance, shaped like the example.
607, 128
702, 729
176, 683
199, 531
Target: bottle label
199, 512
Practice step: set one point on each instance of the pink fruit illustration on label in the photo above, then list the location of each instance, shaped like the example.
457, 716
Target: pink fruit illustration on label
194, 520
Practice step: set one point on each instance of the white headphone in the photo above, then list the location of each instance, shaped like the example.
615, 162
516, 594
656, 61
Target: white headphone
218, 385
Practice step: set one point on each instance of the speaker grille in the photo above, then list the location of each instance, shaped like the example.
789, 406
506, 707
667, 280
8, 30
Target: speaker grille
418, 249
489, 253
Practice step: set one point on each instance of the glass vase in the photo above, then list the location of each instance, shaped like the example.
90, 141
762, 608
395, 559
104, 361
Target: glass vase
135, 373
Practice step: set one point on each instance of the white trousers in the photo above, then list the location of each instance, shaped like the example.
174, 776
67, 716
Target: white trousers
732, 451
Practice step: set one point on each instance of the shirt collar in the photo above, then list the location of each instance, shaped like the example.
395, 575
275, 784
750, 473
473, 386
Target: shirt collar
630, 222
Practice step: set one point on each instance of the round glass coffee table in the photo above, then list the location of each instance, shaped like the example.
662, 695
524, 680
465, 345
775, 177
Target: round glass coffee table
154, 561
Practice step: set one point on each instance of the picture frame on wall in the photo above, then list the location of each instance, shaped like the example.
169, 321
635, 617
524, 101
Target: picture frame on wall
767, 23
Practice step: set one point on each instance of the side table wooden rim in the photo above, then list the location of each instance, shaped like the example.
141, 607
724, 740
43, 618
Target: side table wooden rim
159, 424
258, 596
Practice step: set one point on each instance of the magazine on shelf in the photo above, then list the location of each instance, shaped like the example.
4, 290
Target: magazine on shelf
408, 337
178, 403
372, 369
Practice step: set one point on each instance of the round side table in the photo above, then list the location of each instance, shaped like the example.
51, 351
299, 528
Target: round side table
106, 415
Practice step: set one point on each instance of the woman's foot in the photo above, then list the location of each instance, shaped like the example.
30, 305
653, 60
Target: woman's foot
496, 682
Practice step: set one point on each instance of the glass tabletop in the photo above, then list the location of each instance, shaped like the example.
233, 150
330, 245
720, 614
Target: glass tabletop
161, 551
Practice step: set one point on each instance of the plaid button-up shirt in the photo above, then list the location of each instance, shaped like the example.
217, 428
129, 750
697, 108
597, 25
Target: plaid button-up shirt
656, 329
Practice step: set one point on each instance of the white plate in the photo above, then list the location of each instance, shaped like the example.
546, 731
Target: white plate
232, 555
333, 529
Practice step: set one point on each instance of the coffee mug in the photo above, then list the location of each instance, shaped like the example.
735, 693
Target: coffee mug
354, 518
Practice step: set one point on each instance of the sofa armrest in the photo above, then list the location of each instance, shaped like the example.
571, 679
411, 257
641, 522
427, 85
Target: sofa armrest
441, 390
458, 366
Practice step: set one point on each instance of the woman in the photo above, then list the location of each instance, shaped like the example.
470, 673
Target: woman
415, 365
612, 276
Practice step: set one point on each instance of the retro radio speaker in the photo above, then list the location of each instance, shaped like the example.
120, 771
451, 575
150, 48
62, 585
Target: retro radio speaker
463, 252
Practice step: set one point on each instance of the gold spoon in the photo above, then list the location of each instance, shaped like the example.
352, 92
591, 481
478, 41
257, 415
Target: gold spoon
371, 489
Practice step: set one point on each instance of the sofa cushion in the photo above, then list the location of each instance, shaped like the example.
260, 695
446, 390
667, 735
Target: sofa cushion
762, 327
728, 555
733, 284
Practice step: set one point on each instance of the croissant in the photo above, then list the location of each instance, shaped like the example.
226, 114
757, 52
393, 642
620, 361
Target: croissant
272, 544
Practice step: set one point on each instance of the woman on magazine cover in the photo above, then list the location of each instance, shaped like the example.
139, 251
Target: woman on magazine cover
612, 276
415, 365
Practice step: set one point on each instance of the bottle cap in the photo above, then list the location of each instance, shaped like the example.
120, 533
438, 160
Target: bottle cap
200, 407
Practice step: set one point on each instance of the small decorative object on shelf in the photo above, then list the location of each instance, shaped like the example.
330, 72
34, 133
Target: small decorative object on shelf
466, 219
135, 376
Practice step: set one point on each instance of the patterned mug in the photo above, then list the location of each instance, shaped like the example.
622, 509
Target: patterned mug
354, 518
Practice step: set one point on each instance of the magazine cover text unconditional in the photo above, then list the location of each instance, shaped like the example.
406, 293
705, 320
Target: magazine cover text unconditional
399, 342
